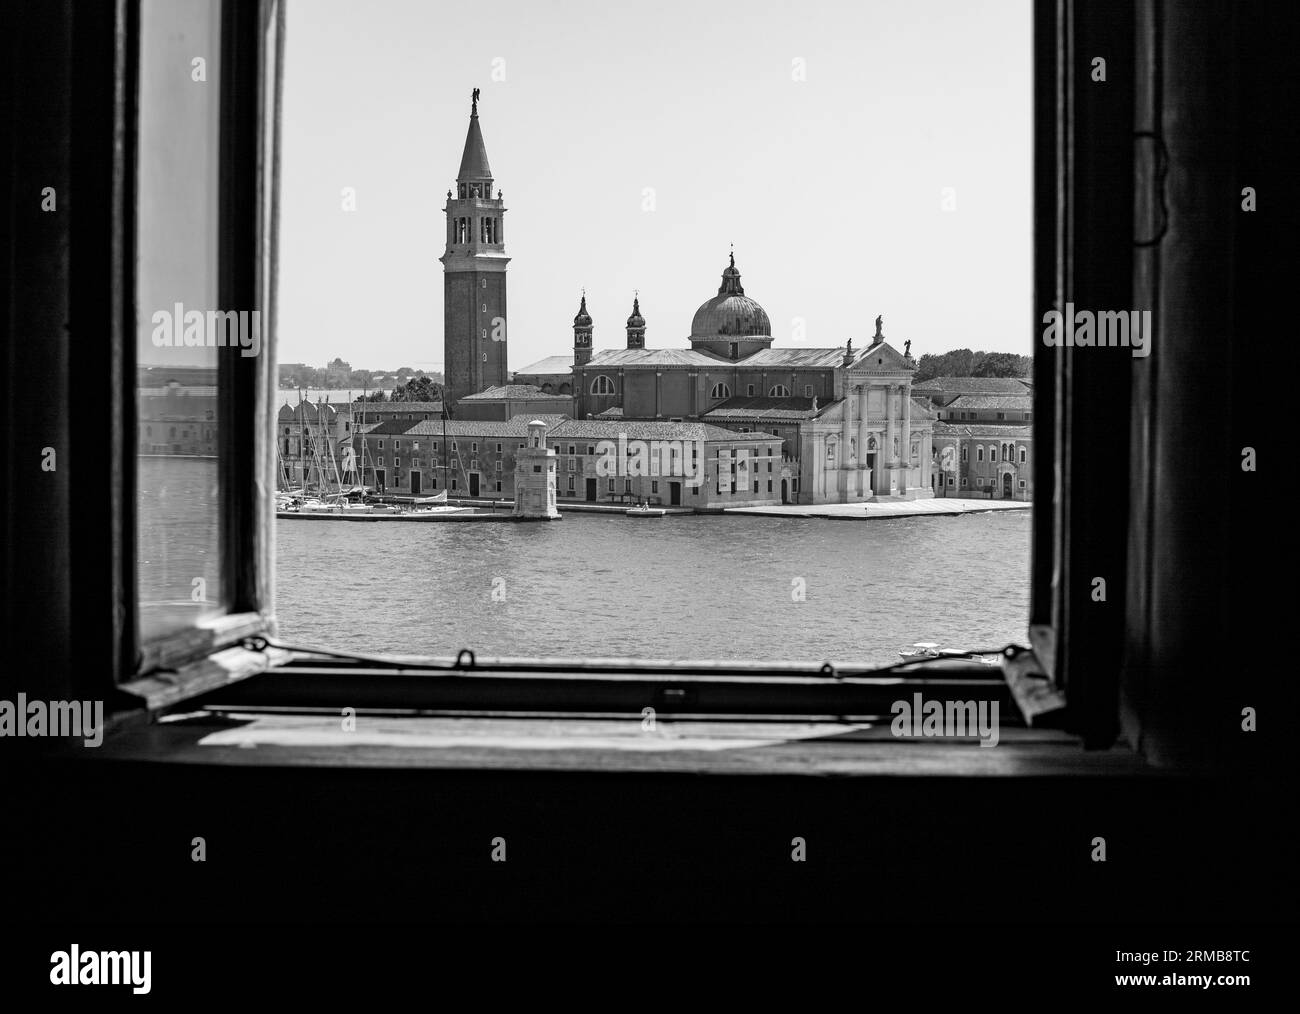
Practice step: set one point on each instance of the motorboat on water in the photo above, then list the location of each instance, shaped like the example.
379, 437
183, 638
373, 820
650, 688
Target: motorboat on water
931, 649
644, 510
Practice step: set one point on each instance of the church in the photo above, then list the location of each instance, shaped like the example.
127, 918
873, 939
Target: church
849, 426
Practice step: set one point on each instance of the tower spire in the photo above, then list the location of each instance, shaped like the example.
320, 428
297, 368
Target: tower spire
582, 333
474, 168
636, 324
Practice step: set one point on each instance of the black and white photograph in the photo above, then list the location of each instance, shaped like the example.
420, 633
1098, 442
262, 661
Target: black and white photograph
809, 471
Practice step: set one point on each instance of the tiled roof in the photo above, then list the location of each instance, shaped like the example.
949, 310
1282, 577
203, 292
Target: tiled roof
795, 358
598, 429
1017, 403
972, 385
623, 358
550, 365
394, 426
983, 429
392, 407
614, 412
515, 426
528, 391
775, 409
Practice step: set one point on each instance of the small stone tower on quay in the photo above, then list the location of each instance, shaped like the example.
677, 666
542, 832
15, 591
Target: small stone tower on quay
535, 477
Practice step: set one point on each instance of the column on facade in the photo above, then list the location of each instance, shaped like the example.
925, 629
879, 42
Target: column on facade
862, 425
867, 484
891, 426
907, 433
846, 428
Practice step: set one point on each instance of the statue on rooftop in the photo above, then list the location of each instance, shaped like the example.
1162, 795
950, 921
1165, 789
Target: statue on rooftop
474, 108
879, 326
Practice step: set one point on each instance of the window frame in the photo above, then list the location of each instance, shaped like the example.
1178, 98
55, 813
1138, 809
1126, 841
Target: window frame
1084, 185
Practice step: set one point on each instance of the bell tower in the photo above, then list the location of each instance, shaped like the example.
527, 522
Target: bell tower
582, 334
636, 325
474, 275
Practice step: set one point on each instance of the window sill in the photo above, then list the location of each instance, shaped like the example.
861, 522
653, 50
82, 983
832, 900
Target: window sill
705, 747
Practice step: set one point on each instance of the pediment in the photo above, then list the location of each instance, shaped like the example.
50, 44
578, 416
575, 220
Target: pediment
881, 359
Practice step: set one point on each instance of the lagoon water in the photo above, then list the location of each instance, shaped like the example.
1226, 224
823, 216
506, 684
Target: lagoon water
685, 587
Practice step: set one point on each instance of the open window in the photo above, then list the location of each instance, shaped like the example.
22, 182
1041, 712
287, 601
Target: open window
1119, 442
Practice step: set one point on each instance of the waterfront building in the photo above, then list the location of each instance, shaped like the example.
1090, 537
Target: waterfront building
406, 457
942, 391
474, 275
687, 464
535, 476
993, 461
676, 464
983, 436
178, 419
992, 408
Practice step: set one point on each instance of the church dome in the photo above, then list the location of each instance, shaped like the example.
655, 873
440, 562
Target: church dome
730, 313
583, 319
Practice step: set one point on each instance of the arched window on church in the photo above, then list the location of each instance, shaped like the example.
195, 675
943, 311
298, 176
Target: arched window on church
779, 391
602, 385
720, 391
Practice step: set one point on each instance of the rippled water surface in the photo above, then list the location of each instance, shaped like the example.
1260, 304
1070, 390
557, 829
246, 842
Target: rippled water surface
679, 587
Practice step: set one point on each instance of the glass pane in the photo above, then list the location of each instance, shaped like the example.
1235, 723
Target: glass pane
178, 486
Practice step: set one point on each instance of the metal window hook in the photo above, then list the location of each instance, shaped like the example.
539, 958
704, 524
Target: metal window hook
1161, 172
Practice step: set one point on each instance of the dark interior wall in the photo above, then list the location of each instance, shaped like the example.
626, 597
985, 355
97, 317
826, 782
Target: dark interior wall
39, 153
409, 845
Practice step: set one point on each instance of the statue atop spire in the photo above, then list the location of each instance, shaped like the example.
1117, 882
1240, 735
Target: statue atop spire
473, 109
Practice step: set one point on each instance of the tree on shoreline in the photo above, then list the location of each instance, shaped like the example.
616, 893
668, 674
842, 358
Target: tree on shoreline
966, 363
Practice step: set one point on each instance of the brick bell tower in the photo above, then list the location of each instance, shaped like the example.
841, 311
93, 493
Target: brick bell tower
474, 275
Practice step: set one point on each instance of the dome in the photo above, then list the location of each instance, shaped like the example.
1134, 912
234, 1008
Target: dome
730, 313
636, 320
583, 319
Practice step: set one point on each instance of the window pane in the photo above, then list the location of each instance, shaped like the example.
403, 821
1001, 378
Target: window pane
178, 490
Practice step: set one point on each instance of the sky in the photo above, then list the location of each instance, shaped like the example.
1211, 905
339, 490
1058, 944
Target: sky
635, 144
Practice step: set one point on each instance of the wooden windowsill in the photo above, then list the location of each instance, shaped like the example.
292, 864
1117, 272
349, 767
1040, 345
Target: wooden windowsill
701, 747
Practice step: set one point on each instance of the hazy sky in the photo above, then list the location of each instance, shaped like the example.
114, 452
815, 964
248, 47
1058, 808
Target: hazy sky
831, 188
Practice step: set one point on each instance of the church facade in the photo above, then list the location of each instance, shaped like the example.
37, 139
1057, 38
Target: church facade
850, 428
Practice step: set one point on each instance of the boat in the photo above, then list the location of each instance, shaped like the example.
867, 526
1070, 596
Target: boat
931, 649
644, 510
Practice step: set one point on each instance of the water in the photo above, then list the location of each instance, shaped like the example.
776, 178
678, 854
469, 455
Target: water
687, 587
